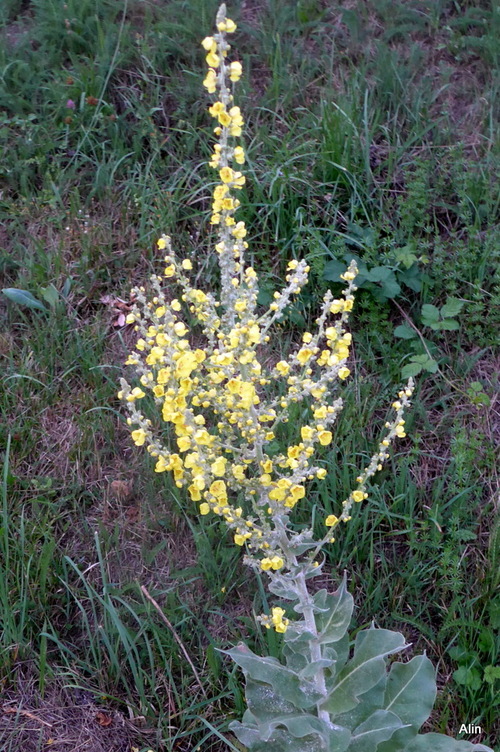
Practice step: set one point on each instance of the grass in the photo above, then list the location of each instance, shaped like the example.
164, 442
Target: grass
371, 131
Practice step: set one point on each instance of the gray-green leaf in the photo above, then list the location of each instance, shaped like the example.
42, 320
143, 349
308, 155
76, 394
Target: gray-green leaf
379, 727
23, 297
441, 743
333, 624
365, 669
285, 682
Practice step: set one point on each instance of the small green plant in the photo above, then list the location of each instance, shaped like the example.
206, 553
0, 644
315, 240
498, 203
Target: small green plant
222, 407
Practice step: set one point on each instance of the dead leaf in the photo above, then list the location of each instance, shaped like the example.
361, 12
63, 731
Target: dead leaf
119, 489
103, 719
132, 514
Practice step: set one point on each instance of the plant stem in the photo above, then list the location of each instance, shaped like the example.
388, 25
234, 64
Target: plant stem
306, 603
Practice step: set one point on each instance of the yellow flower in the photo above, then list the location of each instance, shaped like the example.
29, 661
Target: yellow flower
209, 44
239, 230
186, 264
219, 466
283, 367
358, 495
204, 508
213, 60
331, 520
343, 373
139, 437
162, 243
235, 71
304, 355
325, 437
210, 81
239, 155
226, 174
135, 394
227, 25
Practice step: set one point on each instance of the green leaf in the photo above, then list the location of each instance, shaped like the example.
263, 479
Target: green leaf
284, 682
379, 274
23, 297
412, 278
468, 677
430, 314
333, 269
333, 624
379, 727
410, 693
441, 743
452, 307
50, 295
264, 702
411, 369
449, 325
404, 331
391, 288
491, 674
365, 669
431, 365
411, 690
330, 738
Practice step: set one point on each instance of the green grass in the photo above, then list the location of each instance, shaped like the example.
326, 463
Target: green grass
370, 131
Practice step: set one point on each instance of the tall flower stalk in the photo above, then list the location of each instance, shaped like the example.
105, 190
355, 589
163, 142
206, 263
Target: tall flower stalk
221, 406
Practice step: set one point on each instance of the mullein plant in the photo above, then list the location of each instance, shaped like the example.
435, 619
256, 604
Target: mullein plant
221, 407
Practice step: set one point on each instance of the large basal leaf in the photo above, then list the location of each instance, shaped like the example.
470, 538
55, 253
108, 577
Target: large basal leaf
441, 743
380, 726
285, 682
302, 725
333, 624
365, 669
281, 740
264, 703
411, 690
410, 693
370, 702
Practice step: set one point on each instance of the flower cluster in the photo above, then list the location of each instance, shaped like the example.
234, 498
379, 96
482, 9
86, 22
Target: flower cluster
220, 405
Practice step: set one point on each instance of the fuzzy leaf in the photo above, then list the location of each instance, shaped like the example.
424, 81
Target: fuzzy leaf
23, 297
365, 669
337, 739
310, 671
264, 702
283, 588
411, 690
370, 702
410, 693
284, 682
334, 624
379, 727
441, 743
